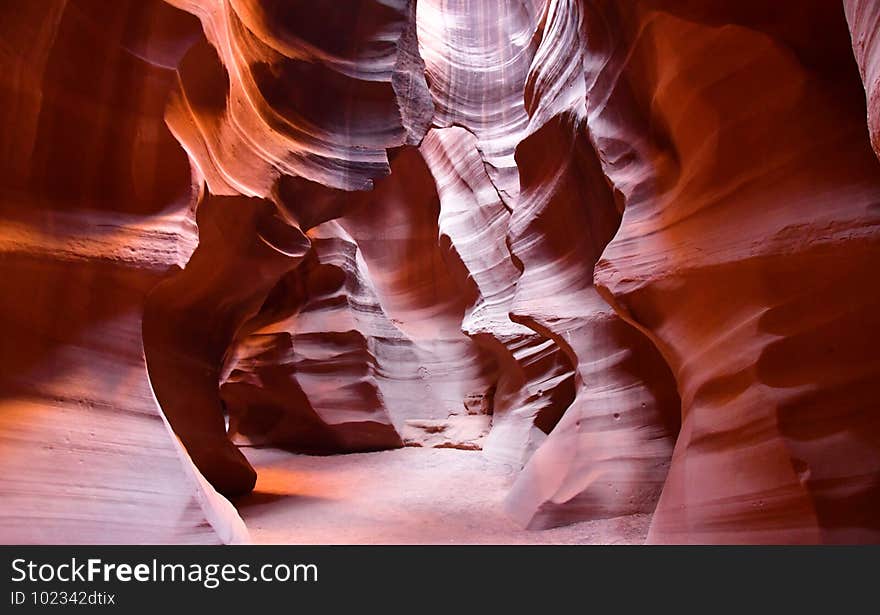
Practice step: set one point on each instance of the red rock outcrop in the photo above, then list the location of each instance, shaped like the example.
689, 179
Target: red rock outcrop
535, 378
97, 201
624, 246
735, 134
313, 90
610, 452
864, 22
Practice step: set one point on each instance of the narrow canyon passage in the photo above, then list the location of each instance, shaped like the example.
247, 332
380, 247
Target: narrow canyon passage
406, 496
260, 258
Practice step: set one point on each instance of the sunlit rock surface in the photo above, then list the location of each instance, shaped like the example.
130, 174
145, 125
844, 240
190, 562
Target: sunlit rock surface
624, 248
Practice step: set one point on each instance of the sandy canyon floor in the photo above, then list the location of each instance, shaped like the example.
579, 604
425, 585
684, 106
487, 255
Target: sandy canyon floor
404, 496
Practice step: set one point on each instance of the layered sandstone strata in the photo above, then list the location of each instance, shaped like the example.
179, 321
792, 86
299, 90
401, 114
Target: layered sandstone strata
736, 135
623, 246
96, 209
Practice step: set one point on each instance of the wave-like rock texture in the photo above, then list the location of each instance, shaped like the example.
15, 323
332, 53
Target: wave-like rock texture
301, 374
864, 22
299, 88
609, 453
477, 55
97, 201
535, 378
624, 246
735, 133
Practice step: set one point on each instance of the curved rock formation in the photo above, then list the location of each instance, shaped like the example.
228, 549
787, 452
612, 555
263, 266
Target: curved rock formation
748, 232
535, 378
301, 89
864, 22
304, 350
191, 317
96, 208
624, 246
477, 55
610, 452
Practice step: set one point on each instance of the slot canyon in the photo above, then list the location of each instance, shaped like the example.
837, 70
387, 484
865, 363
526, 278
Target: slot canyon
440, 271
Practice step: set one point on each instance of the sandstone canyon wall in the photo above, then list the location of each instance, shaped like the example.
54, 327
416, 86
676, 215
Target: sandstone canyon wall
97, 207
627, 247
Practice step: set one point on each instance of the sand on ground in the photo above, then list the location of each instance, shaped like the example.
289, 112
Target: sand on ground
404, 496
